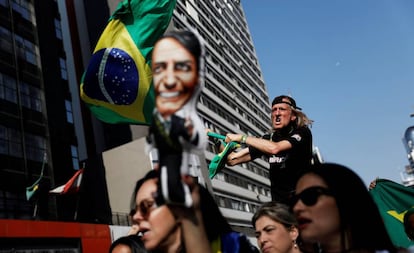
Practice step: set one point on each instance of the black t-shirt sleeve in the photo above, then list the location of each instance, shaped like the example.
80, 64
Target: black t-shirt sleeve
255, 153
300, 136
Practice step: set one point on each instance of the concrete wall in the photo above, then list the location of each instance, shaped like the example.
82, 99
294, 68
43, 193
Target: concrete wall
124, 165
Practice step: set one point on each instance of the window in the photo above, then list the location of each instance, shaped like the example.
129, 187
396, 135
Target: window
10, 142
69, 113
26, 50
8, 88
4, 3
24, 7
63, 69
235, 205
5, 39
35, 147
30, 97
220, 176
246, 207
4, 149
75, 157
15, 206
58, 29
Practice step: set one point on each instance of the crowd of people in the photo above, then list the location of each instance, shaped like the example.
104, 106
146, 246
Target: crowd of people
315, 207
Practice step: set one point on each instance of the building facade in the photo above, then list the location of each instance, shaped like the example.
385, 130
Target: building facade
44, 136
37, 128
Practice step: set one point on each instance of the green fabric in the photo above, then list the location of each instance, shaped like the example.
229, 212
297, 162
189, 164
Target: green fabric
117, 84
216, 135
31, 190
219, 161
393, 201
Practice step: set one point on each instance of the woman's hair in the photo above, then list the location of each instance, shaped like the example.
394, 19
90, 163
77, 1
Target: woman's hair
132, 241
361, 222
276, 211
150, 175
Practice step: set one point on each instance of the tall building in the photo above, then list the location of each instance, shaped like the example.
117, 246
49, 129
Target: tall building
37, 119
44, 138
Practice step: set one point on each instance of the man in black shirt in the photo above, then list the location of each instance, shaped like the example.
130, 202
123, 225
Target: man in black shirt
288, 148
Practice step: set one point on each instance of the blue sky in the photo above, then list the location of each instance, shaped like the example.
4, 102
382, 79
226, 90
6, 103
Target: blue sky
350, 65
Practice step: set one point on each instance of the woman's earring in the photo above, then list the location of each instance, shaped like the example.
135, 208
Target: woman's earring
295, 245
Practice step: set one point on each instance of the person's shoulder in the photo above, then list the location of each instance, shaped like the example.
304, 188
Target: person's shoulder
303, 130
235, 240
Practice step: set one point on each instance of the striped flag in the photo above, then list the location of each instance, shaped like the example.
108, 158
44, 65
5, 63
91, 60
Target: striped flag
117, 84
72, 186
393, 201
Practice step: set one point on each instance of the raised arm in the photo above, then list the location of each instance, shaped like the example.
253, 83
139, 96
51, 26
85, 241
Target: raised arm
266, 146
191, 219
238, 157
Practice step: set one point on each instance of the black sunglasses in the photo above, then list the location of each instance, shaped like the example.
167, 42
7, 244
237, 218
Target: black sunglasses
310, 195
145, 207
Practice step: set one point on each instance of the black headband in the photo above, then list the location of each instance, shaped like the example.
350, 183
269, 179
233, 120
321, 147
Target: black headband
291, 102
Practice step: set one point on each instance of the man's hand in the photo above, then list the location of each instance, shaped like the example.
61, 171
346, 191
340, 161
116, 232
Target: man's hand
233, 137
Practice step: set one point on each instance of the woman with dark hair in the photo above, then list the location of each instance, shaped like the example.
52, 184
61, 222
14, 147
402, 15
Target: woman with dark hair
127, 244
276, 228
163, 227
336, 213
172, 228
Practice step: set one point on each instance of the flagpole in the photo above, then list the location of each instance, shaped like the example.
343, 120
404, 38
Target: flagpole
36, 205
75, 216
35, 210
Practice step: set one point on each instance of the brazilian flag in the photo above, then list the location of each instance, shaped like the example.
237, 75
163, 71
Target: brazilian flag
32, 190
117, 84
393, 201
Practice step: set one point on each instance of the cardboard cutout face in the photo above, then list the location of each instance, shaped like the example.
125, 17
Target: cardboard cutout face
177, 130
175, 76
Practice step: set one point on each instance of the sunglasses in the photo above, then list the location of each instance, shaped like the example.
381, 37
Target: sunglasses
310, 195
145, 207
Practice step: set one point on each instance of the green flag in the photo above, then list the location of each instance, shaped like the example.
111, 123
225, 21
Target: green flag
393, 201
31, 190
117, 84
